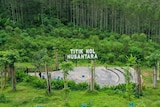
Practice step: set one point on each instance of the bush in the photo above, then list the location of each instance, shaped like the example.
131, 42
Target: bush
121, 89
82, 86
72, 85
39, 83
20, 76
57, 84
32, 80
96, 86
104, 88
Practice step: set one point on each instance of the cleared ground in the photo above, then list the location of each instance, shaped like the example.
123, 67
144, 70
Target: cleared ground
103, 76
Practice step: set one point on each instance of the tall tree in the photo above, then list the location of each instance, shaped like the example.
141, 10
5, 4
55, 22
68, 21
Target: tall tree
153, 60
66, 67
10, 57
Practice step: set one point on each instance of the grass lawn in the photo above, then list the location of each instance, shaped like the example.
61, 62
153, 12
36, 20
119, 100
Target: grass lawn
27, 96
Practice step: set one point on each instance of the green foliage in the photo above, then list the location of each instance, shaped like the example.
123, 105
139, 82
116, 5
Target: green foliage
96, 86
153, 58
66, 104
91, 92
3, 99
122, 58
37, 40
131, 60
82, 86
126, 90
129, 91
3, 37
112, 48
66, 66
38, 58
17, 31
59, 84
141, 38
156, 104
66, 91
9, 29
127, 75
20, 76
9, 56
39, 83
110, 57
32, 80
72, 85
28, 96
136, 52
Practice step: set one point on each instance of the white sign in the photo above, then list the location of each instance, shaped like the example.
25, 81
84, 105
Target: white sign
82, 54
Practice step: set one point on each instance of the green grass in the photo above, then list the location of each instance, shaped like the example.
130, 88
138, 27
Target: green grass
27, 96
24, 65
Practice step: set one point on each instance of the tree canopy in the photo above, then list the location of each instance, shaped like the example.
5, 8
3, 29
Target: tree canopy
115, 29
124, 17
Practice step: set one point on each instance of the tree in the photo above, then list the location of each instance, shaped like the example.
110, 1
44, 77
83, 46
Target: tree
46, 61
92, 76
42, 58
132, 61
9, 58
4, 63
66, 67
38, 62
153, 61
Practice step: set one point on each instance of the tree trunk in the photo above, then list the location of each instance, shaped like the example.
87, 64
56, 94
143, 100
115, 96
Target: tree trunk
13, 78
139, 88
57, 65
155, 77
9, 74
5, 72
158, 71
92, 76
48, 79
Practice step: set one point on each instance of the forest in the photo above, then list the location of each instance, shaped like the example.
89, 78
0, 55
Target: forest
116, 29
123, 17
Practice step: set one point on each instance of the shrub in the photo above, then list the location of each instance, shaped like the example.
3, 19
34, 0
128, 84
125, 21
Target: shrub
32, 80
82, 86
57, 84
121, 87
96, 86
28, 79
72, 85
38, 83
20, 76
